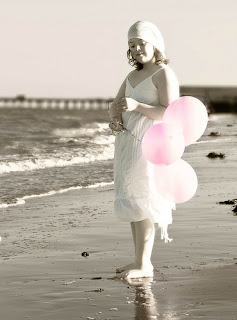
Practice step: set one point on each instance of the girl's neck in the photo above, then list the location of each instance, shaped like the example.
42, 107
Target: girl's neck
150, 67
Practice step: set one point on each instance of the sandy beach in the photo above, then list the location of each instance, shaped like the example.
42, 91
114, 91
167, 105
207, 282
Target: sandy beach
44, 276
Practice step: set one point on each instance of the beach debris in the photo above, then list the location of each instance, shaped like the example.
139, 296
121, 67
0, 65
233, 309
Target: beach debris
233, 201
214, 134
234, 210
96, 278
113, 309
98, 290
85, 254
0, 239
216, 155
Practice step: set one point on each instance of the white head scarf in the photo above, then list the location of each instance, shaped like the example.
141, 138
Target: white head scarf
148, 32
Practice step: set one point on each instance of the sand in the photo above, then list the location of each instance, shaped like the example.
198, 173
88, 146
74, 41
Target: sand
44, 276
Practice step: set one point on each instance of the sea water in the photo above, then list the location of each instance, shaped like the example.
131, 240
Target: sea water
45, 151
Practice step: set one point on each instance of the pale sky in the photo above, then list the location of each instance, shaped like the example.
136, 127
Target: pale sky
77, 48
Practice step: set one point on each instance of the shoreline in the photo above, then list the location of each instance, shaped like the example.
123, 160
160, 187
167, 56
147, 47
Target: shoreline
21, 201
44, 276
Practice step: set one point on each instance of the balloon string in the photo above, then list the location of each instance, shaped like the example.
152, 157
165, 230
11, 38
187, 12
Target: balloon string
125, 129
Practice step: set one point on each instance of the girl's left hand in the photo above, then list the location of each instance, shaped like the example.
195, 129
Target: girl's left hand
126, 104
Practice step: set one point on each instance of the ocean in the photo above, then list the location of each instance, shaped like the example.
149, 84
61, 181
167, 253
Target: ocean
47, 151
44, 151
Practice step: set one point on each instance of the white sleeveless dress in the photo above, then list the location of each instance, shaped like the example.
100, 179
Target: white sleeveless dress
135, 196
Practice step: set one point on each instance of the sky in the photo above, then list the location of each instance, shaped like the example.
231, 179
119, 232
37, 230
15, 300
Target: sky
77, 48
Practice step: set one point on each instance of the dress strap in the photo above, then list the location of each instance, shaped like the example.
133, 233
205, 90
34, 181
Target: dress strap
158, 70
127, 80
129, 75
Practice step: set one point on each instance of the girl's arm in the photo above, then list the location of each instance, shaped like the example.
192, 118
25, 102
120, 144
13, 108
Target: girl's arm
152, 112
168, 90
113, 111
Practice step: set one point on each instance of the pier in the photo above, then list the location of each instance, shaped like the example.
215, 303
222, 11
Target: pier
216, 99
21, 101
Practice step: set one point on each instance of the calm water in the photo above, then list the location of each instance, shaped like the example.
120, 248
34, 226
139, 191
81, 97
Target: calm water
43, 151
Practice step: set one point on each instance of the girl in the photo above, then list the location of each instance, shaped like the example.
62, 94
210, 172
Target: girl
139, 104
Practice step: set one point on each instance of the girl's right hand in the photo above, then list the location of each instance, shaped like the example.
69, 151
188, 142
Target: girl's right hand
115, 124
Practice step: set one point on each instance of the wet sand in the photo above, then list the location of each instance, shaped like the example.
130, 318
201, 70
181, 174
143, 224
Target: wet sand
44, 276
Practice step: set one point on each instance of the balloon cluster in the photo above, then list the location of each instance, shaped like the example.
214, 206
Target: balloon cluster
163, 144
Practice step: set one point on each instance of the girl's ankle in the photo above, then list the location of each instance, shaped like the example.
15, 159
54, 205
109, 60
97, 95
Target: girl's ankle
144, 266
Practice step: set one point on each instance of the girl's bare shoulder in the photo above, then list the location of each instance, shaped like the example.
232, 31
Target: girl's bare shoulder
165, 71
132, 75
166, 74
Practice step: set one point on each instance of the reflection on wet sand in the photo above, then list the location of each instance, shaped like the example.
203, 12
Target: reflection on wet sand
145, 303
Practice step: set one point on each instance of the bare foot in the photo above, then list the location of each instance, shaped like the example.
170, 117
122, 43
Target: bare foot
127, 267
137, 273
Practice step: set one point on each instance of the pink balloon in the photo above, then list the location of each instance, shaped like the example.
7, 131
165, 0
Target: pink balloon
177, 182
190, 114
163, 144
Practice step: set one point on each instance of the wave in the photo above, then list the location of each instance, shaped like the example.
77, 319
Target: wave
21, 201
82, 141
88, 130
92, 142
41, 163
64, 160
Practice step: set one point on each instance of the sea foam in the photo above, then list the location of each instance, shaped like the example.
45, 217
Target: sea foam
21, 201
35, 164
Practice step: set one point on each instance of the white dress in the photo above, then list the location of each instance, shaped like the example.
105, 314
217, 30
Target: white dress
135, 196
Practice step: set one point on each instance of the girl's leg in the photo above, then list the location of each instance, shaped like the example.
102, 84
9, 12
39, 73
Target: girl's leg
131, 265
144, 237
134, 234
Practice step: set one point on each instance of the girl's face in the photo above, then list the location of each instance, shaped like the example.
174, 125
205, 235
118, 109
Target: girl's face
141, 50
